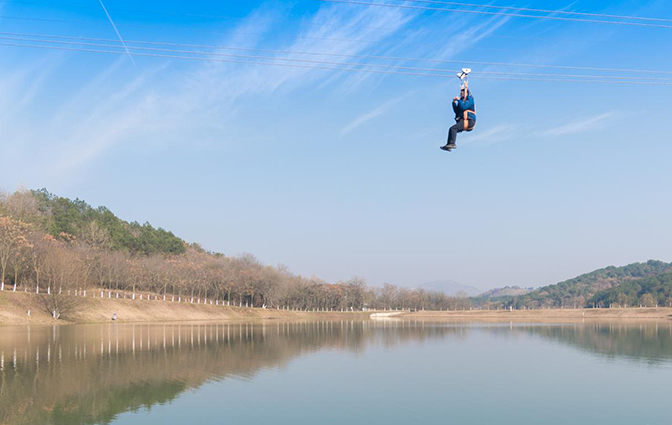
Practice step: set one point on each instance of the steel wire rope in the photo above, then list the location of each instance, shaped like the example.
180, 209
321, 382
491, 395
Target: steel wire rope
223, 17
449, 72
340, 68
483, 12
188, 14
396, 58
448, 3
64, 21
551, 11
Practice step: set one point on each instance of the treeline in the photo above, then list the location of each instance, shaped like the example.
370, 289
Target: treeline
600, 288
54, 245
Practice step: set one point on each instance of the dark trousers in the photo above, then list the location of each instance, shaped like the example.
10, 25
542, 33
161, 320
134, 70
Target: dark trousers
459, 127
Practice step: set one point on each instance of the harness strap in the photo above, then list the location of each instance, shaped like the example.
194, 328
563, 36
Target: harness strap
466, 114
466, 120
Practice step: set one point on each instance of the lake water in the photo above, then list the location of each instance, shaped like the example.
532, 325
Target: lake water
337, 372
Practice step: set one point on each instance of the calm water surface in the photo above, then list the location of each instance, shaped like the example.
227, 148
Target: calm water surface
339, 372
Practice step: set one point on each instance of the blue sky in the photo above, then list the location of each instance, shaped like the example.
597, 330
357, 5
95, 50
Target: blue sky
339, 174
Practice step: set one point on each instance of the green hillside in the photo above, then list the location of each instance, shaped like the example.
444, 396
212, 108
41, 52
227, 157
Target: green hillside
648, 292
62, 217
578, 292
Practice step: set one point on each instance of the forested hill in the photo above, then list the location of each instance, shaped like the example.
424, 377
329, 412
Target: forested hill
62, 218
57, 246
648, 292
579, 292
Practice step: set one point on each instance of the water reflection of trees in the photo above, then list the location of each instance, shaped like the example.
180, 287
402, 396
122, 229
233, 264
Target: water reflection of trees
90, 374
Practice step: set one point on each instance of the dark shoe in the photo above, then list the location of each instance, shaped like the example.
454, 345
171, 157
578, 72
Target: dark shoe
448, 147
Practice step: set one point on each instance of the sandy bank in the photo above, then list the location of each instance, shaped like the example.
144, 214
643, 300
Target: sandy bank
14, 305
560, 315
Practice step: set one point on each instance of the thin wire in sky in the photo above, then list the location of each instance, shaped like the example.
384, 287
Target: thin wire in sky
440, 2
194, 15
484, 12
551, 11
344, 55
323, 62
118, 34
345, 68
175, 28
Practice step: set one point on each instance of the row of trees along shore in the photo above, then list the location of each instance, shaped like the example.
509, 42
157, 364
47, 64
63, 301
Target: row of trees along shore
56, 246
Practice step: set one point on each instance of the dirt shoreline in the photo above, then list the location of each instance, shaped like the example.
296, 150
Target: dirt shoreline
558, 315
14, 307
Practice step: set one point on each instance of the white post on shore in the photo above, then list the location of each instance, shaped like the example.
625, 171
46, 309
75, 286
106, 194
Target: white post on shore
37, 289
2, 286
133, 296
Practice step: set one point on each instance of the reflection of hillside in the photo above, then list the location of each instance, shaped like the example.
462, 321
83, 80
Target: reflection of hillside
646, 342
651, 342
90, 374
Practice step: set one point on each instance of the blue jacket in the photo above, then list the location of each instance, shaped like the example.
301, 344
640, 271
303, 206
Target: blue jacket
461, 105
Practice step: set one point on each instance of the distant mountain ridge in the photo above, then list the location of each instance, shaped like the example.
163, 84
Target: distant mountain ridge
507, 291
450, 287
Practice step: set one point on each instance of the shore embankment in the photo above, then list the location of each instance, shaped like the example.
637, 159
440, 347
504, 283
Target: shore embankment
14, 307
553, 315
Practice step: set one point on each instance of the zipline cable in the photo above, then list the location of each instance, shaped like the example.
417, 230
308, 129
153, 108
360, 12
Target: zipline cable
377, 57
483, 12
447, 3
343, 68
449, 72
190, 14
551, 11
64, 21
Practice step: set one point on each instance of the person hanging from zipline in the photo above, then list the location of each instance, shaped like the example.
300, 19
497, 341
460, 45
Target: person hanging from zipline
465, 112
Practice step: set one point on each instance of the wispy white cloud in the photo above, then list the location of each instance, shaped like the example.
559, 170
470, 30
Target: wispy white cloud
580, 126
497, 134
364, 118
161, 105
